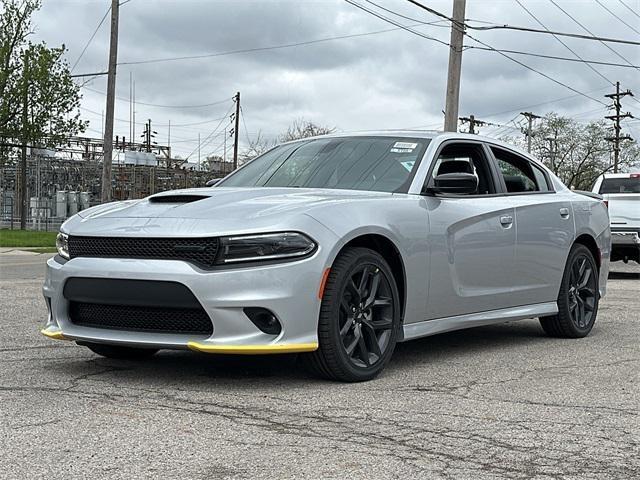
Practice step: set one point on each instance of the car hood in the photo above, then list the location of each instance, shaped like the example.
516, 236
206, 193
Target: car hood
219, 209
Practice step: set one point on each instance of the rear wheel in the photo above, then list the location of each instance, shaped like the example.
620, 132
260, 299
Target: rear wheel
120, 352
578, 298
359, 318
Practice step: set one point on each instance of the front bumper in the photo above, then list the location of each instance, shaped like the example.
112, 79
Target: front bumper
289, 290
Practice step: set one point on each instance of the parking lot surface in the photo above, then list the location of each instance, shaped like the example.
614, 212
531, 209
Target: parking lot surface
493, 402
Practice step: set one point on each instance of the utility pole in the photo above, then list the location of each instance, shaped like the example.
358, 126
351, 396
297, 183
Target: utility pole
236, 131
473, 122
169, 144
25, 141
107, 145
131, 138
529, 131
455, 66
616, 123
553, 151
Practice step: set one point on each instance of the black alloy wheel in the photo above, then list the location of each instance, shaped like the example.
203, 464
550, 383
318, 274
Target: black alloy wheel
366, 315
582, 291
359, 318
578, 298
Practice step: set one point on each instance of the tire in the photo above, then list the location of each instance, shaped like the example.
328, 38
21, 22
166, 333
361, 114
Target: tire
357, 331
578, 298
119, 352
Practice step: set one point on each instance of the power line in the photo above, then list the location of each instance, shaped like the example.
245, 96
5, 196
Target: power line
590, 32
159, 105
516, 52
210, 137
327, 39
261, 49
91, 38
554, 57
563, 43
592, 36
629, 8
548, 77
244, 124
535, 70
616, 16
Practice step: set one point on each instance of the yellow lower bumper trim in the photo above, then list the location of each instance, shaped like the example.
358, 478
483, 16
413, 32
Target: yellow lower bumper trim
253, 349
53, 333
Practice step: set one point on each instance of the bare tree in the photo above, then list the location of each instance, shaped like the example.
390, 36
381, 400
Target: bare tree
298, 129
577, 152
256, 147
302, 128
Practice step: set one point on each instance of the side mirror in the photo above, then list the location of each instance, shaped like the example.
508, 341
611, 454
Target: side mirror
213, 182
459, 183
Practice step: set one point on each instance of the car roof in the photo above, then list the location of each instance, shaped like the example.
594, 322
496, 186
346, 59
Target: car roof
619, 175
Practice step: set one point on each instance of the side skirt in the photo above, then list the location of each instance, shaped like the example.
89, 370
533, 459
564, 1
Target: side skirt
459, 322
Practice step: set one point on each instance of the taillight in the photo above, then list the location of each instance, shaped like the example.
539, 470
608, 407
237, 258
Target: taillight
635, 175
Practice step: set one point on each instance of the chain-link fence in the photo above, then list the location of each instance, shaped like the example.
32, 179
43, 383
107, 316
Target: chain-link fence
59, 188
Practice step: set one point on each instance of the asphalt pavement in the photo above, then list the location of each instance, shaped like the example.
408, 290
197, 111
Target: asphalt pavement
492, 402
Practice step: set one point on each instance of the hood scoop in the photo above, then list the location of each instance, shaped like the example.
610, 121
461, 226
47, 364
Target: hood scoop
188, 198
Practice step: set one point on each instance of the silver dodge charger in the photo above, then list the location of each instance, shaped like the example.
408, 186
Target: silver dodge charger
335, 247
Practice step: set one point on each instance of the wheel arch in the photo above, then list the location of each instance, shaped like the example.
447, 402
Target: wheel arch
590, 242
391, 253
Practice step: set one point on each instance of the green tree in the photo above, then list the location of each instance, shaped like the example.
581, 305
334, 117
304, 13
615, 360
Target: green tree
578, 152
52, 96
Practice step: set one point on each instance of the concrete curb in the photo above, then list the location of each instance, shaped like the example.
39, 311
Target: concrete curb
19, 251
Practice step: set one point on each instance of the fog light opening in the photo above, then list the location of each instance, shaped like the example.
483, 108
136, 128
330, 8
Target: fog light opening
265, 320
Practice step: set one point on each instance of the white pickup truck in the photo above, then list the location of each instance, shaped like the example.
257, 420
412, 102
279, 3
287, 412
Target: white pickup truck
621, 192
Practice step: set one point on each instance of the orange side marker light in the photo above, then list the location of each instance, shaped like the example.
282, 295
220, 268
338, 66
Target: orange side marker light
323, 283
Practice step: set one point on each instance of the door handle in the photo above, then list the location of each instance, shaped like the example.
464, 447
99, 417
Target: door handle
564, 212
506, 220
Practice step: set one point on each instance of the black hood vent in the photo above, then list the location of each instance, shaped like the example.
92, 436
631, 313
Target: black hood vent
177, 198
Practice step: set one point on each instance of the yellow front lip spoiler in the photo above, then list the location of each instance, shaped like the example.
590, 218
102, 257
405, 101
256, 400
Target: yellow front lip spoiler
57, 334
54, 333
253, 349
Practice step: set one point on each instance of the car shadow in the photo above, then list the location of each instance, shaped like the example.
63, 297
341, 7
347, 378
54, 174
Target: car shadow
624, 275
186, 370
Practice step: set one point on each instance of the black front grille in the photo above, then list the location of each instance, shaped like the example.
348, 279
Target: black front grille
201, 251
193, 321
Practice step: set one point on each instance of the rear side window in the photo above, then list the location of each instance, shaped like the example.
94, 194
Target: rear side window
519, 174
620, 185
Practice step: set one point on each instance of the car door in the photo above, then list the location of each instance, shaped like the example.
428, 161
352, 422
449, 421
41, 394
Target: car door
543, 224
471, 237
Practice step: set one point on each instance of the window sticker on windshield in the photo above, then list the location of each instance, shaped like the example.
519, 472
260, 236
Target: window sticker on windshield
408, 164
403, 147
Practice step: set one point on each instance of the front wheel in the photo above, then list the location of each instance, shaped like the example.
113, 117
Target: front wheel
578, 298
359, 318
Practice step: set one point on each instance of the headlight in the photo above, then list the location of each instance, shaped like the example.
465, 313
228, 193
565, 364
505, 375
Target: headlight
264, 247
62, 244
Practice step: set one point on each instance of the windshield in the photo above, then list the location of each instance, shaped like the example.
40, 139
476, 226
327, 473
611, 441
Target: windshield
620, 185
383, 164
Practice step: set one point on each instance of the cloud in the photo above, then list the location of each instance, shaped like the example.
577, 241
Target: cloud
387, 80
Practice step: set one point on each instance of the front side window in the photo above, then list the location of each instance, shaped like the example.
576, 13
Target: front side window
519, 174
383, 164
465, 158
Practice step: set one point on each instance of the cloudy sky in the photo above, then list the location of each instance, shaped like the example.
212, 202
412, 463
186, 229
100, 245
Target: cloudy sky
388, 78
